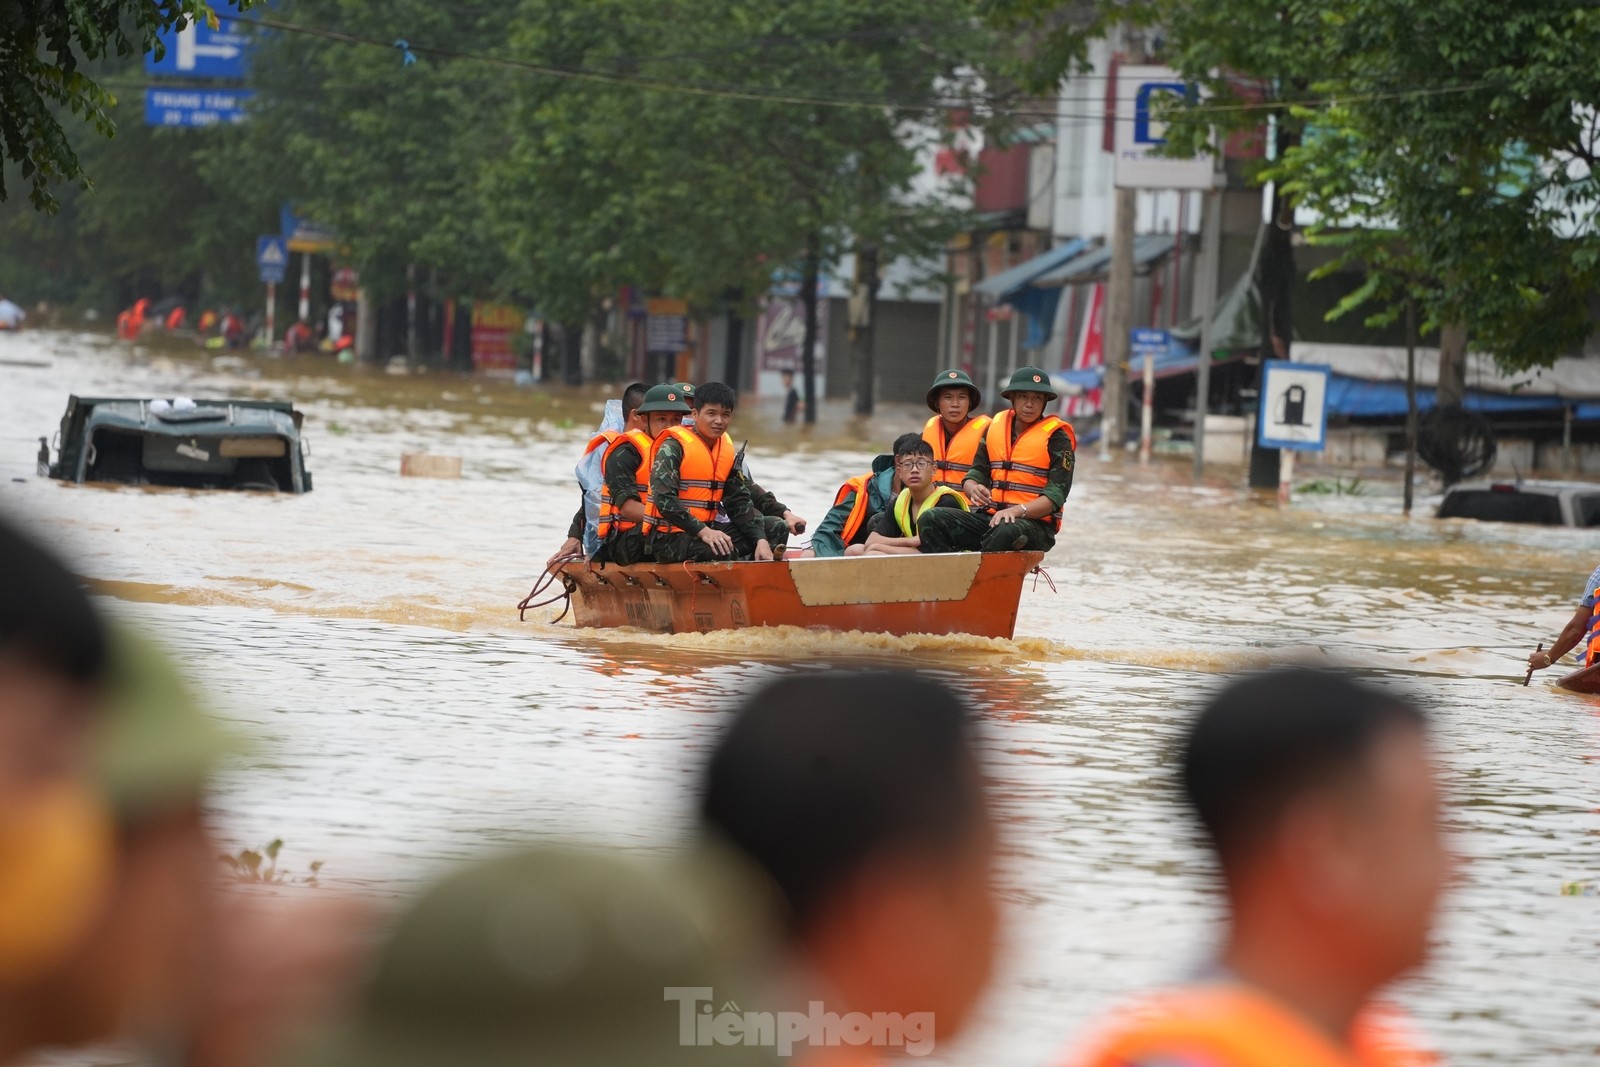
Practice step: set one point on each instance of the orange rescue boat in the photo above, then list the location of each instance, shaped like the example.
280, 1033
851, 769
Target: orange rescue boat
959, 593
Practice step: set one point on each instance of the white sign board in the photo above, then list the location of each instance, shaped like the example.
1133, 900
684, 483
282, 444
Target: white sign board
1294, 406
1141, 92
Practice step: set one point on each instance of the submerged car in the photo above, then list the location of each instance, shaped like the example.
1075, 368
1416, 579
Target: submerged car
206, 444
1532, 503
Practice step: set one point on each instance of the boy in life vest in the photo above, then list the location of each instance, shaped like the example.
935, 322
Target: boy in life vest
1580, 633
860, 795
858, 499
894, 530
632, 397
693, 484
953, 432
1020, 477
1319, 796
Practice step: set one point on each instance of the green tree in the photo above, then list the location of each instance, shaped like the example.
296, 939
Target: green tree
42, 45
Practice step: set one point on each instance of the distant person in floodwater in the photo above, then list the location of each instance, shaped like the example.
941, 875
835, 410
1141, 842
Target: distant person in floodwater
1319, 797
861, 796
299, 338
11, 315
791, 397
1582, 631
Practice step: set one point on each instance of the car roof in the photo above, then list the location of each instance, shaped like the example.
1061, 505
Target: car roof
1540, 488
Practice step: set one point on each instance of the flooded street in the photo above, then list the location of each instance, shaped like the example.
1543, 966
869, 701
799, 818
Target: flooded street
367, 635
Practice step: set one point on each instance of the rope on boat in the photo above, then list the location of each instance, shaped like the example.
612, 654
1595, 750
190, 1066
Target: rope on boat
548, 578
1039, 572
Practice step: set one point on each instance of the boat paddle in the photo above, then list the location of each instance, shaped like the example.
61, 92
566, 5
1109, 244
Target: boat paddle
1529, 676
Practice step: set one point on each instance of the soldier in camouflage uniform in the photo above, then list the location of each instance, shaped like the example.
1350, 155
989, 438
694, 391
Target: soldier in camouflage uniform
739, 532
663, 407
1016, 527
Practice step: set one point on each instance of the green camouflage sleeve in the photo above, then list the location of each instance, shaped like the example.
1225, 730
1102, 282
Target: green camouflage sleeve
621, 466
741, 513
1062, 460
664, 479
980, 465
762, 500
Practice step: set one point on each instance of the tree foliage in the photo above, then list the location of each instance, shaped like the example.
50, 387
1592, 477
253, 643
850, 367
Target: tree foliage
42, 45
1446, 147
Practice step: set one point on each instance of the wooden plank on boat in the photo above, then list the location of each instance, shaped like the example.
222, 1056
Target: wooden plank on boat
890, 579
867, 595
1586, 680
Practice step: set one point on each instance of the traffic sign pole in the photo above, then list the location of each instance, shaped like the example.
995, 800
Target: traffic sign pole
272, 311
1147, 414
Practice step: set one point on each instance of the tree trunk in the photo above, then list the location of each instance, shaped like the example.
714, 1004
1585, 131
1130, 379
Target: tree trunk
1411, 402
567, 337
808, 348
589, 350
1452, 365
366, 326
733, 343
411, 314
863, 324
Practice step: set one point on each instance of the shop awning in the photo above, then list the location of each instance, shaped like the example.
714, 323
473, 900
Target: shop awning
1008, 283
1096, 262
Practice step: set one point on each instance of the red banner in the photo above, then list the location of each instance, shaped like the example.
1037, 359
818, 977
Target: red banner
1091, 352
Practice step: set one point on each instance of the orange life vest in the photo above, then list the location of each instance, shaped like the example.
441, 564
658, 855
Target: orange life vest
610, 516
1019, 471
701, 477
860, 486
1592, 638
951, 463
1230, 1026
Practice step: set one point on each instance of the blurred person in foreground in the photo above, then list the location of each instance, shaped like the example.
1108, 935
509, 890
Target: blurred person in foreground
561, 957
861, 796
155, 953
1318, 795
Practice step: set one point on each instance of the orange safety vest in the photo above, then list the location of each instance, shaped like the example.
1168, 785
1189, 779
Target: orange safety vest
1591, 639
951, 463
610, 517
1230, 1026
860, 485
701, 477
1019, 471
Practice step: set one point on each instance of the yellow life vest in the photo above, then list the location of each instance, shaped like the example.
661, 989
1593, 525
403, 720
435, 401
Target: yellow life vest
701, 477
1019, 470
952, 462
902, 507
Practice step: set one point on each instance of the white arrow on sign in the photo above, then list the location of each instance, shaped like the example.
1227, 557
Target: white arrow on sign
190, 48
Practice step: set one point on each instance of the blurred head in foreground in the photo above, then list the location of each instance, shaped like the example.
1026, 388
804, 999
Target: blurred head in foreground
559, 957
861, 797
56, 840
1319, 796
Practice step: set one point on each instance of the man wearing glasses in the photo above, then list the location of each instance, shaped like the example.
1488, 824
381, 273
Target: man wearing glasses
894, 529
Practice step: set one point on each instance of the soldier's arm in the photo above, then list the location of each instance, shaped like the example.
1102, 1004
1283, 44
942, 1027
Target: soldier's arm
579, 521
1062, 460
621, 467
741, 512
828, 538
664, 477
763, 501
980, 465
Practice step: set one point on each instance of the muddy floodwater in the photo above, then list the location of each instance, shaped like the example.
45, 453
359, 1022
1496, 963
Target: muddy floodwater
366, 635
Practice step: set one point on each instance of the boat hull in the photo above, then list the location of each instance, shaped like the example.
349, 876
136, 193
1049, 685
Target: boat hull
959, 593
1586, 680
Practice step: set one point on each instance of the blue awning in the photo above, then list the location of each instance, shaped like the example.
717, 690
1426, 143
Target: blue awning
1145, 249
1009, 282
1361, 398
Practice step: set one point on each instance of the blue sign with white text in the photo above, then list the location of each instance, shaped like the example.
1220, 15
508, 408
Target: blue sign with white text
272, 258
194, 107
198, 51
1151, 342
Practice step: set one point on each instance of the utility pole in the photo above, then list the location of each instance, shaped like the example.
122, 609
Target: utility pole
1206, 283
1119, 302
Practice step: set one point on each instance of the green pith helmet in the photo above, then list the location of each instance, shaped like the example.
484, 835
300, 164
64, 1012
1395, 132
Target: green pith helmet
947, 379
1029, 380
687, 389
561, 957
666, 397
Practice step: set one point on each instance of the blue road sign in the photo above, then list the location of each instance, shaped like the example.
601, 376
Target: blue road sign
1151, 342
194, 107
198, 51
1294, 406
272, 258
